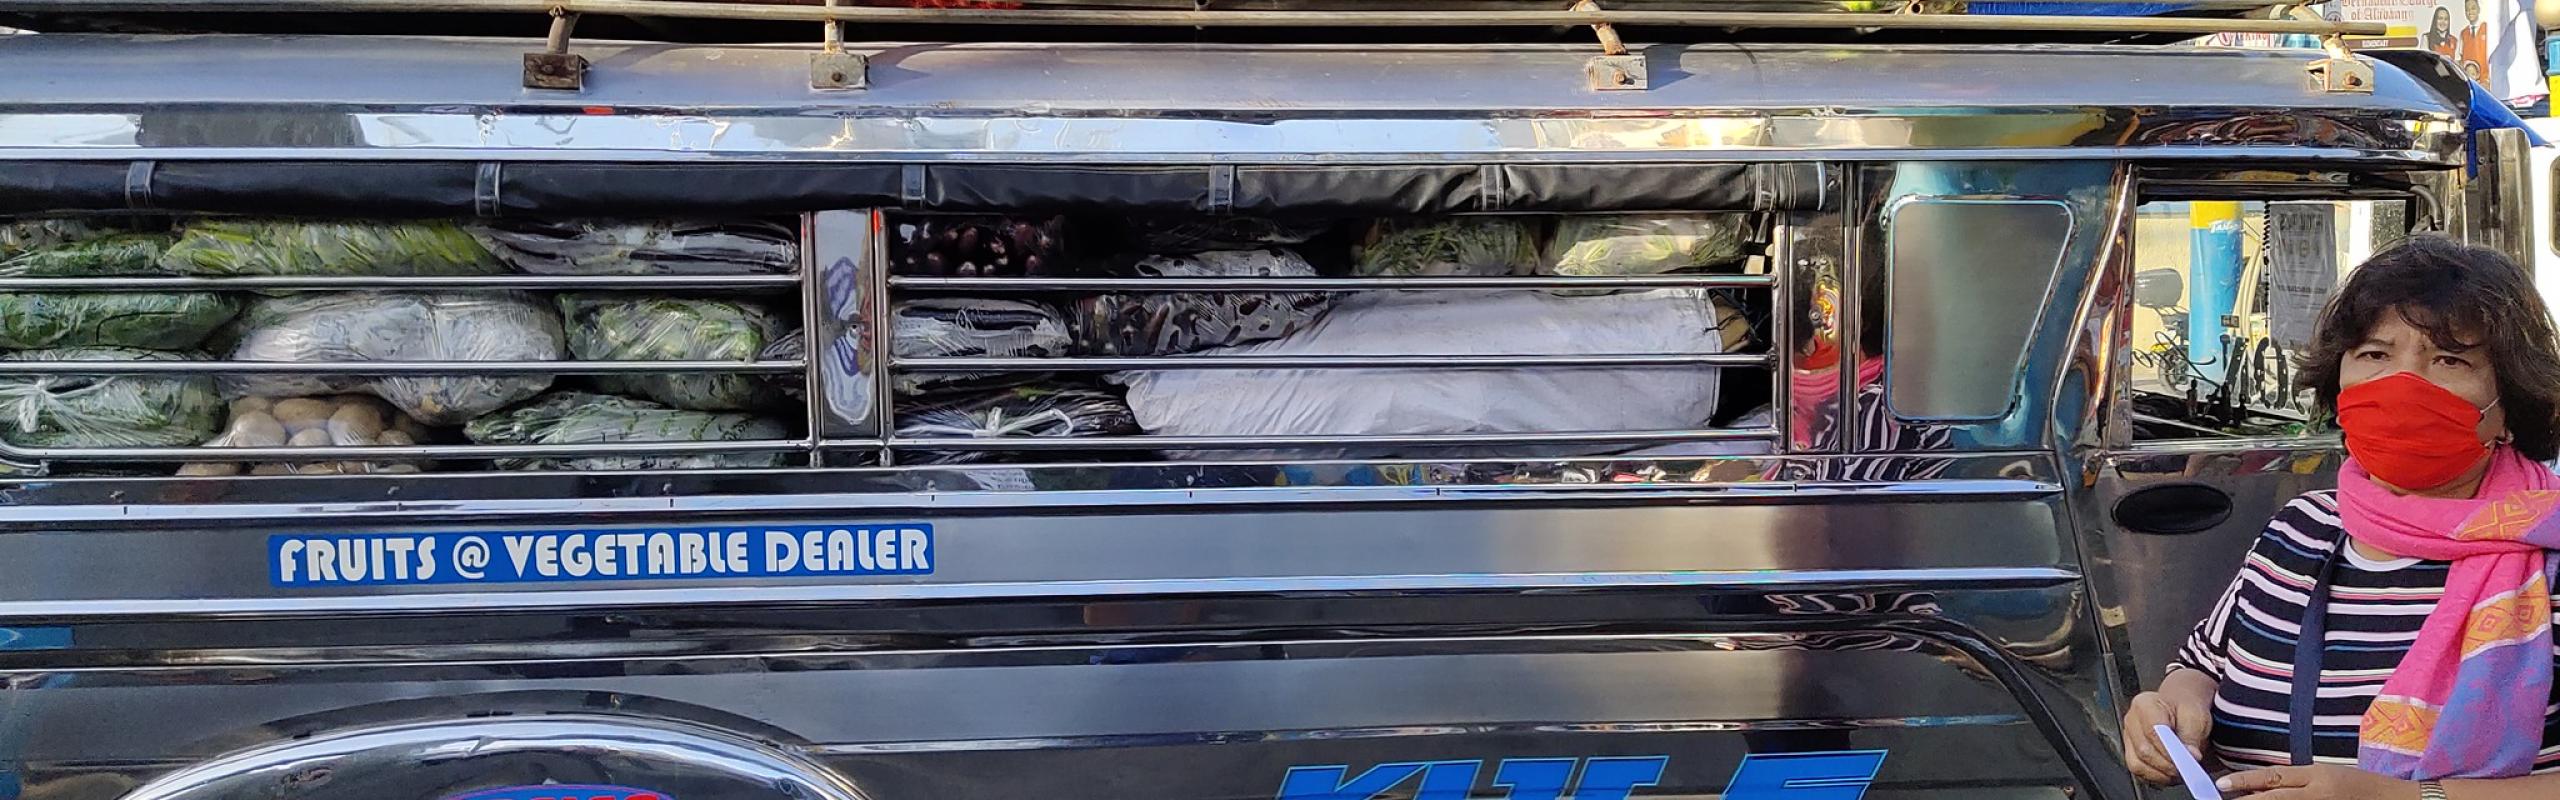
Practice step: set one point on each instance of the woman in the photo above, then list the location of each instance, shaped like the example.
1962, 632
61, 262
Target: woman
2439, 37
2422, 582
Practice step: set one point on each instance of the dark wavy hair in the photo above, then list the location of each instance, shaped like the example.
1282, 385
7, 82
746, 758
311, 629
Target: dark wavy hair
2452, 290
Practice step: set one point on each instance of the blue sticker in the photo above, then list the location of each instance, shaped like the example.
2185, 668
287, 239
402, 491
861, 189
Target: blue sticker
562, 791
43, 638
1805, 776
1528, 779
629, 554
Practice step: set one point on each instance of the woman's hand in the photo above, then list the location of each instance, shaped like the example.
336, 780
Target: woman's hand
2316, 782
2184, 712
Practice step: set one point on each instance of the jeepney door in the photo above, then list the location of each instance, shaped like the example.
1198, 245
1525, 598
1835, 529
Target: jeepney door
2209, 436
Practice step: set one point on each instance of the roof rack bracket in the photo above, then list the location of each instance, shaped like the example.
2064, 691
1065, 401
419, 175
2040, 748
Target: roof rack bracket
834, 69
2341, 72
1614, 69
555, 67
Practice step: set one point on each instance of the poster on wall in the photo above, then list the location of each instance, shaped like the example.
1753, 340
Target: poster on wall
2493, 41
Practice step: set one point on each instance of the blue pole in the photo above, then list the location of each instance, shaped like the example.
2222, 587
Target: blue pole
2213, 266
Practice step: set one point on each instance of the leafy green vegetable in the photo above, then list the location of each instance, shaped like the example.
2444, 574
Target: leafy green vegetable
249, 247
583, 418
27, 235
107, 411
121, 254
1474, 246
1645, 245
624, 328
151, 321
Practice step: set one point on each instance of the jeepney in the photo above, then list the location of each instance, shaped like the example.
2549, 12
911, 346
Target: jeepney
1109, 400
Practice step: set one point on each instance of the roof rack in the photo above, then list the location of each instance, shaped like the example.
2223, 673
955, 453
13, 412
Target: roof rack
1614, 69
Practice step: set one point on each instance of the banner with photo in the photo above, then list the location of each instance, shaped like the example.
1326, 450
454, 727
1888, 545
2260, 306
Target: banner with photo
2494, 41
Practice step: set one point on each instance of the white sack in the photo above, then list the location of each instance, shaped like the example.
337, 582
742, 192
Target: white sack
1444, 401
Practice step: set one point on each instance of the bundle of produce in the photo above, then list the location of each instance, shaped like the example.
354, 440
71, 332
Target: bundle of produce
975, 247
582, 418
1203, 234
1645, 245
149, 321
653, 248
255, 247
400, 326
613, 327
1455, 246
28, 235
115, 254
1021, 411
971, 327
107, 410
1320, 402
1162, 324
340, 421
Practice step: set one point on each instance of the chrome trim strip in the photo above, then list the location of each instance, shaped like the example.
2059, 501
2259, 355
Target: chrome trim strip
58, 611
1336, 734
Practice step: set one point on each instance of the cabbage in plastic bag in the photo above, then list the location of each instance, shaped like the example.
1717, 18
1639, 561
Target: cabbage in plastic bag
401, 326
254, 247
969, 327
1456, 246
583, 418
119, 254
1645, 245
609, 327
654, 248
107, 410
150, 321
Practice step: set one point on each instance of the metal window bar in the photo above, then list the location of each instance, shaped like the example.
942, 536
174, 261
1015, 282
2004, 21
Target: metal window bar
443, 284
1768, 234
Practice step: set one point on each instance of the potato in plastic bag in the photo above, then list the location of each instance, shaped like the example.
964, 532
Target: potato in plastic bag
1457, 246
650, 248
401, 326
107, 410
1042, 411
340, 421
268, 247
146, 320
1645, 245
584, 418
617, 327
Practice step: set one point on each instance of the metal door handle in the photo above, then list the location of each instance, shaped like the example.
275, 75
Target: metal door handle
2173, 509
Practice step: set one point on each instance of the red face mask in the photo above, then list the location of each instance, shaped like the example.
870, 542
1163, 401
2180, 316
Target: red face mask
2411, 433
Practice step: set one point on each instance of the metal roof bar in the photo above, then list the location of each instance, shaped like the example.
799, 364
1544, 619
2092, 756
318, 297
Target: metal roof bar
1226, 19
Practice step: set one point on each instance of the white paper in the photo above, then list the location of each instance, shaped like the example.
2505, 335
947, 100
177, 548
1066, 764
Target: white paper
2198, 782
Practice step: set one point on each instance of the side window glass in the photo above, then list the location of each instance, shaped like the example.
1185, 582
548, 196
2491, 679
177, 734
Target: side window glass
1968, 281
2226, 298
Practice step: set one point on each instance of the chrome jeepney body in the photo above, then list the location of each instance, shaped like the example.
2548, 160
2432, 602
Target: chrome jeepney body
1927, 560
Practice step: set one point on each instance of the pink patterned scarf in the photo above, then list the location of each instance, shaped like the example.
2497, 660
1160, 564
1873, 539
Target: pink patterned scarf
2467, 701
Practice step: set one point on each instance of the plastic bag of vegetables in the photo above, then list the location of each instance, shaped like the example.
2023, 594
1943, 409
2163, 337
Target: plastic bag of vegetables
607, 327
255, 247
976, 247
28, 235
969, 327
400, 326
1468, 246
151, 321
1645, 245
107, 410
119, 254
1023, 411
1164, 324
653, 248
583, 418
341, 421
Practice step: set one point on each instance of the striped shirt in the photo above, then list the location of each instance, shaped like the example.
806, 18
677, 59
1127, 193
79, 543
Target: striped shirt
2375, 609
